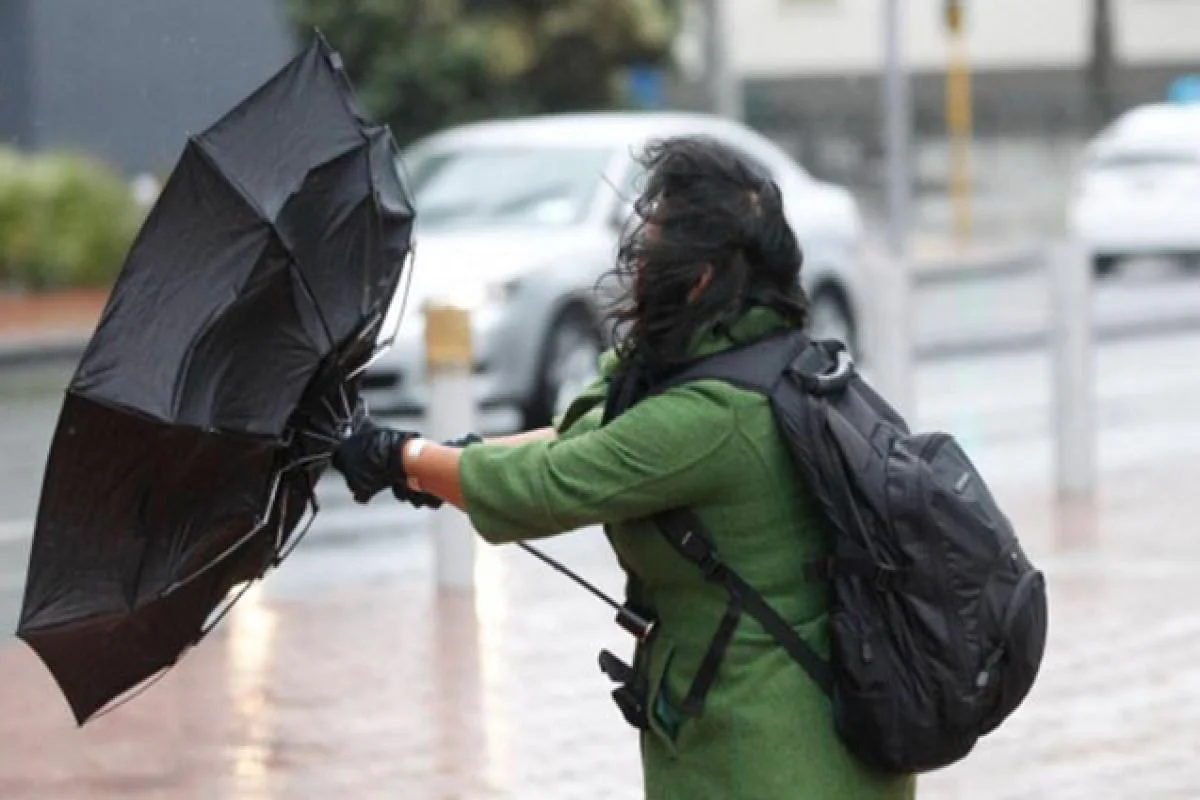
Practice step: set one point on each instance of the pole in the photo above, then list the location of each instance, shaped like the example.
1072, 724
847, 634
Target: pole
448, 356
892, 342
1073, 363
724, 84
959, 123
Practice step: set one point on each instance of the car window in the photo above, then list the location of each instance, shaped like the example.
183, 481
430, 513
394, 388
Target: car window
489, 185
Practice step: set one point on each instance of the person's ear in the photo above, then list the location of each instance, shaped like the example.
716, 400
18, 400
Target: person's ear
702, 284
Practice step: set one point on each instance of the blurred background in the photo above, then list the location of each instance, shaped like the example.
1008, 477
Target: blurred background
999, 208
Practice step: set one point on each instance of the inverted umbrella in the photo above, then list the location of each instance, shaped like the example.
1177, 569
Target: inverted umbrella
217, 381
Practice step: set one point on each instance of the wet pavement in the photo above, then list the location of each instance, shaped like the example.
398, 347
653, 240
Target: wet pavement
346, 674
388, 689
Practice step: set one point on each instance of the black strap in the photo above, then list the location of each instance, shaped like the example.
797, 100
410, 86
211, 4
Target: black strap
693, 704
757, 366
685, 533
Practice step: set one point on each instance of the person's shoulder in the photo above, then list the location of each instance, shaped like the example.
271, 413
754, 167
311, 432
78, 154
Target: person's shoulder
707, 401
718, 393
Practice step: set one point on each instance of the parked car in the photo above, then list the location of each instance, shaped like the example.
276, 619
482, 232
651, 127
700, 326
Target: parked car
1138, 193
517, 220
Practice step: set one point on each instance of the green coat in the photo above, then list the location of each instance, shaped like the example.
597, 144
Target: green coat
766, 730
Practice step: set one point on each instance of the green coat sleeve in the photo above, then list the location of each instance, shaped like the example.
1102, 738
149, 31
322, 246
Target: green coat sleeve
658, 455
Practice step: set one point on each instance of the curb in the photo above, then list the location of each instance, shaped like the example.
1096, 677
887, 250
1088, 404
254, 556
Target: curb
60, 348
1021, 261
1040, 341
30, 351
69, 351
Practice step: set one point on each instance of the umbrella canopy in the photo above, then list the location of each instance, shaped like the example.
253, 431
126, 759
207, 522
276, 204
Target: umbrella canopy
217, 381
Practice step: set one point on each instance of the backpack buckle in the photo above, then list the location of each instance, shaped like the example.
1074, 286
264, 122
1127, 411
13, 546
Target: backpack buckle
701, 553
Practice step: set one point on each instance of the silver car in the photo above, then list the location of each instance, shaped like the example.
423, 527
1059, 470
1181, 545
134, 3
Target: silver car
517, 220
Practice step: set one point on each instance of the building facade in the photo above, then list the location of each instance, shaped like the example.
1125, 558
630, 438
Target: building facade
811, 71
128, 81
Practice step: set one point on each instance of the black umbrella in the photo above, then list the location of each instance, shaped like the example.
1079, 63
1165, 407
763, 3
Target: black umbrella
217, 382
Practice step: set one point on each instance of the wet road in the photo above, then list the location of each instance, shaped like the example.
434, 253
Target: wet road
347, 675
317, 688
998, 405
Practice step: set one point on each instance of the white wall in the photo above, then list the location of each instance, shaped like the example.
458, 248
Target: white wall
778, 38
1157, 31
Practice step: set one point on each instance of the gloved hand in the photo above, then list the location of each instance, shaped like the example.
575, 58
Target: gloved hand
371, 460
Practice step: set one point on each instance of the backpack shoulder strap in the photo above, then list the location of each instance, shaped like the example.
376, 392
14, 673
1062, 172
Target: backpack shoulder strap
756, 366
686, 534
821, 367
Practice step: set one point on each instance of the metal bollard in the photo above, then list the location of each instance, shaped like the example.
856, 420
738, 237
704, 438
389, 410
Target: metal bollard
451, 413
889, 331
1073, 362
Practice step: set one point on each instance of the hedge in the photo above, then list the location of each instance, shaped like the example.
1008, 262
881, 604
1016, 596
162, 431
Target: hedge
66, 220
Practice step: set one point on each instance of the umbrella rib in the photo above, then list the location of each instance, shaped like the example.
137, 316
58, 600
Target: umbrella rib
298, 274
211, 159
258, 527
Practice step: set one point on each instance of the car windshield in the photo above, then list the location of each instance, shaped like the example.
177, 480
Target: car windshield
505, 185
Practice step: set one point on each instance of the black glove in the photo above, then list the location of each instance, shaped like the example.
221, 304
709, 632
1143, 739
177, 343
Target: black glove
371, 459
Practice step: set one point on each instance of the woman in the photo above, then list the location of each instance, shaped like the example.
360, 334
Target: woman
714, 265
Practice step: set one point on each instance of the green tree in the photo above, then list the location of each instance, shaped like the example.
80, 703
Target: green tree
424, 64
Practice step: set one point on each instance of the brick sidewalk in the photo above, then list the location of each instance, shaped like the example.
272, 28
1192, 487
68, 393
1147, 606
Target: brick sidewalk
28, 315
394, 692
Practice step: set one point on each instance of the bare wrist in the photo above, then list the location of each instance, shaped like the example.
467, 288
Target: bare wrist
409, 456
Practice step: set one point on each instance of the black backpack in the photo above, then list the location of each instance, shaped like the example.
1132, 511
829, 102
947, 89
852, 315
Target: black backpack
938, 621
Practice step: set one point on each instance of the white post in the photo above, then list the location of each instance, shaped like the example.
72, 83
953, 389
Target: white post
724, 82
891, 356
451, 414
1073, 363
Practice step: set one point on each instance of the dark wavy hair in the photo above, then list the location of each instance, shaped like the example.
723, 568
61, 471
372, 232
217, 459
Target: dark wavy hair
704, 207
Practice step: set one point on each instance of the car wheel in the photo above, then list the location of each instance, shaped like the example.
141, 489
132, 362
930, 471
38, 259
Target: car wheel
829, 317
569, 364
1105, 266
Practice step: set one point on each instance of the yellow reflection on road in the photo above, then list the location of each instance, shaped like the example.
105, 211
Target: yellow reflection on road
492, 612
251, 637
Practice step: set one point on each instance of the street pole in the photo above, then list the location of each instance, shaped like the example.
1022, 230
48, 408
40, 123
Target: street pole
958, 120
1073, 363
724, 84
448, 356
891, 286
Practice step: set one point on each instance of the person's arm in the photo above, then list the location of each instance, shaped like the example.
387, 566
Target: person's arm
433, 468
655, 456
525, 437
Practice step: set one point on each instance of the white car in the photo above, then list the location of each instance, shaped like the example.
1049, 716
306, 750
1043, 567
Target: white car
1139, 189
517, 220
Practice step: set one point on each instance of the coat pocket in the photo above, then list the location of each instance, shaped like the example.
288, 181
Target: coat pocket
667, 720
